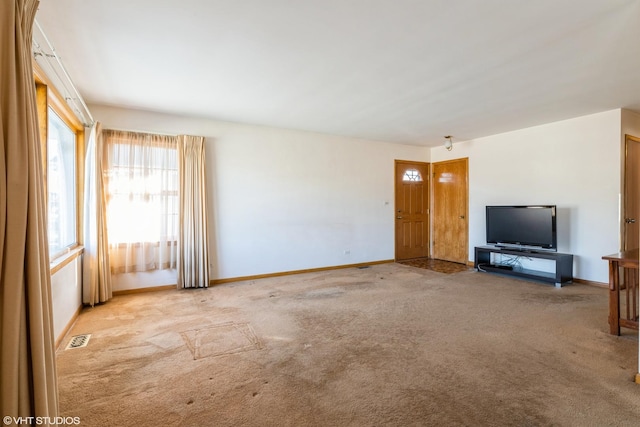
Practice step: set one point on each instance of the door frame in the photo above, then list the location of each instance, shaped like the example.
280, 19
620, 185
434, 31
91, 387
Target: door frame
623, 234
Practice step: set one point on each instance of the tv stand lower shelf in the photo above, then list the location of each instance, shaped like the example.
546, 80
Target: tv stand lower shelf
563, 263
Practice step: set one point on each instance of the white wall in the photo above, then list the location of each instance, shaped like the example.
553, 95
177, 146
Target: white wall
574, 164
285, 200
145, 279
66, 295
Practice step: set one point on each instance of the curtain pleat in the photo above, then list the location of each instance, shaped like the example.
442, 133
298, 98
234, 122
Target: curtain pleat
28, 384
193, 248
96, 286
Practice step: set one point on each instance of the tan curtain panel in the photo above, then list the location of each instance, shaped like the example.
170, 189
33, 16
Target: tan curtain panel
142, 200
96, 284
27, 356
193, 255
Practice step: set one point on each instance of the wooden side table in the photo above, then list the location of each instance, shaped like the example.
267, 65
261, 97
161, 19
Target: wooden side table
625, 264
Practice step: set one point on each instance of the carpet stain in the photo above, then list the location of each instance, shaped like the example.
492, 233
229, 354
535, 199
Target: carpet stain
554, 298
323, 293
224, 339
438, 265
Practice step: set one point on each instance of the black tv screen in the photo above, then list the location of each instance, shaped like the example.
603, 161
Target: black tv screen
525, 226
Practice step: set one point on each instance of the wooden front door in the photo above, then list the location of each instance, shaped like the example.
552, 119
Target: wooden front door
631, 208
412, 210
450, 210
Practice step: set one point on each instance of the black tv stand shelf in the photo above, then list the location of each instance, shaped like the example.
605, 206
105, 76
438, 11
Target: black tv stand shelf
563, 262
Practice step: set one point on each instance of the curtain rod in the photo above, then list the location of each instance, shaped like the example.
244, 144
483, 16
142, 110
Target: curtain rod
67, 77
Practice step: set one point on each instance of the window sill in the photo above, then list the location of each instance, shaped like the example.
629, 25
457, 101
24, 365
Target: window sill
63, 260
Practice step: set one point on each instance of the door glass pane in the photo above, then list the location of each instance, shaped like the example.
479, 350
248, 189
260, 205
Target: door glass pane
412, 175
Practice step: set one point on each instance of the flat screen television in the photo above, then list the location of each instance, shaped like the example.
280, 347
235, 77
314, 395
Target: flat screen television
526, 227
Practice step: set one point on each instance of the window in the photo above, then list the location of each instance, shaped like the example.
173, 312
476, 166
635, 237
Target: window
412, 175
61, 184
142, 200
61, 135
143, 193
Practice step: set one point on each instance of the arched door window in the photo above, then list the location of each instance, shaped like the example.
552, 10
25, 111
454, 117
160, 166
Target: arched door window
412, 175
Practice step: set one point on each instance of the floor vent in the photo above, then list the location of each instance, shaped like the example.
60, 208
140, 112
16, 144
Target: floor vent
78, 341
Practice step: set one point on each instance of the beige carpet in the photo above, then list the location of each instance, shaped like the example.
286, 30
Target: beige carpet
389, 345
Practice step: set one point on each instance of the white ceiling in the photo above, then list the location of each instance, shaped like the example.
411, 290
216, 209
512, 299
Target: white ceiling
405, 71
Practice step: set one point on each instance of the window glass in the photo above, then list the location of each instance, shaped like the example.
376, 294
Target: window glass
412, 175
61, 184
143, 194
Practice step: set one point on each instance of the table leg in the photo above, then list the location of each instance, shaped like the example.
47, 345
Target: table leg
614, 298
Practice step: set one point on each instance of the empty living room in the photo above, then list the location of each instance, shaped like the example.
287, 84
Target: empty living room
320, 213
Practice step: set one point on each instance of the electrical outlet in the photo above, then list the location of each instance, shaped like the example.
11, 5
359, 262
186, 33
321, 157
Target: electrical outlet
347, 252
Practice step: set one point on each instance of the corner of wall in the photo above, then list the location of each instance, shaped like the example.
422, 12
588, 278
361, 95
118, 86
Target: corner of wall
630, 123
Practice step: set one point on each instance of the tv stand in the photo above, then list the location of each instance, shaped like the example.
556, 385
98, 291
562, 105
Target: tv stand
563, 262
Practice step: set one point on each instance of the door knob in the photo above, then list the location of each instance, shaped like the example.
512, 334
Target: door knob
398, 217
630, 220
461, 217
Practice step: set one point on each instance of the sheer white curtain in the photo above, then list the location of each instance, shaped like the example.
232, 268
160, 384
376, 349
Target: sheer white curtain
142, 200
28, 384
193, 257
96, 267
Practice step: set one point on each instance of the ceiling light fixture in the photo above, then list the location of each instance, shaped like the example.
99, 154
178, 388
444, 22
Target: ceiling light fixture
448, 144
